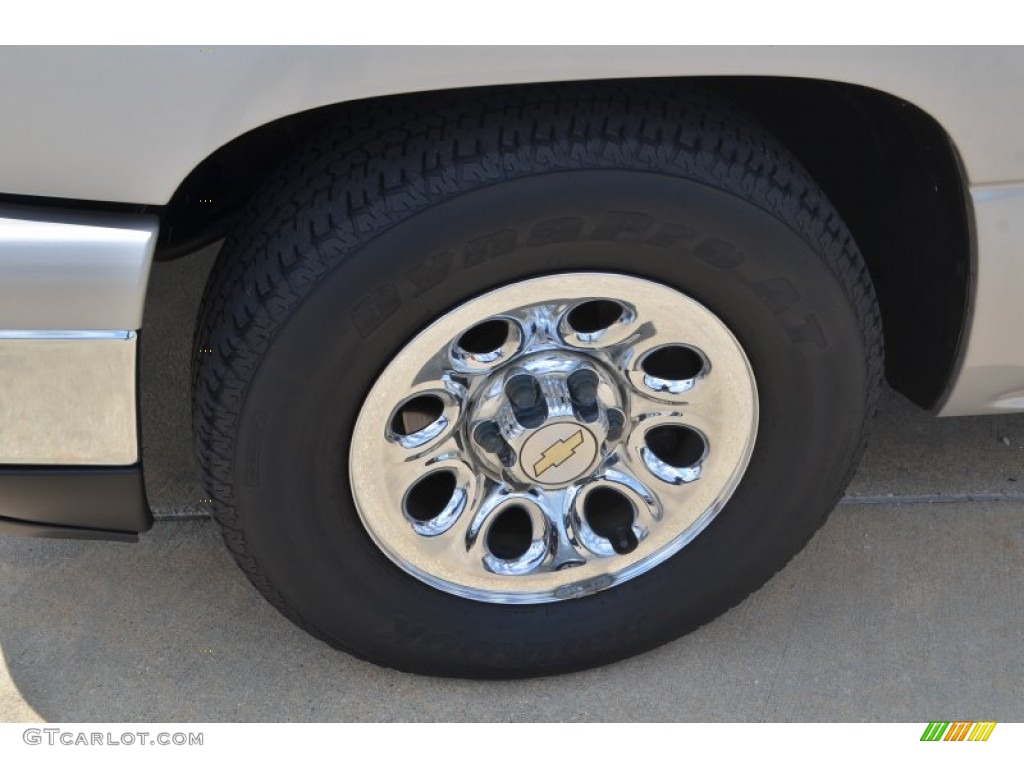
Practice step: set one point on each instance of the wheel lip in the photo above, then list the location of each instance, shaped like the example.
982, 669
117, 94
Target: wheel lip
522, 294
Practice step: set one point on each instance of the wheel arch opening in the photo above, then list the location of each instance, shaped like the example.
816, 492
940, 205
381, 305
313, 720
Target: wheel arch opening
887, 166
895, 176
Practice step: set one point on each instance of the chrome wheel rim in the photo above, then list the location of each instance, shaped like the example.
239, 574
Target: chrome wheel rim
553, 438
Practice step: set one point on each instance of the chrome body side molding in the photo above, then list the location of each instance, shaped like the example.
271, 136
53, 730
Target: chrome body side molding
72, 286
68, 399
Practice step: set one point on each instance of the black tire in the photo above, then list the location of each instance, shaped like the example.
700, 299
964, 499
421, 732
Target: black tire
387, 221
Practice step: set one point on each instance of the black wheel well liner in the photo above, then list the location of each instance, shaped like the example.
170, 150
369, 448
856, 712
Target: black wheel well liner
888, 167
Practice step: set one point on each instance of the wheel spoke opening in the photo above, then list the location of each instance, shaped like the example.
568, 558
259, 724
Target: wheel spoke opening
596, 323
590, 317
511, 534
610, 515
485, 338
434, 502
674, 452
429, 497
673, 368
416, 414
487, 345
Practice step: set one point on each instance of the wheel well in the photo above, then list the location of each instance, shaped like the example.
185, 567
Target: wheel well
894, 176
888, 167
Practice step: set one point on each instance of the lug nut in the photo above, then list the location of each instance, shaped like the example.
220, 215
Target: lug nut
489, 437
583, 391
527, 400
616, 421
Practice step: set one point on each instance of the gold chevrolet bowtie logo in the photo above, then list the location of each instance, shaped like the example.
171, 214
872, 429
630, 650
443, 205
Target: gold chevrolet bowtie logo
558, 453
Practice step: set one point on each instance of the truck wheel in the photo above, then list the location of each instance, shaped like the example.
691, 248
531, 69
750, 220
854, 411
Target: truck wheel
513, 384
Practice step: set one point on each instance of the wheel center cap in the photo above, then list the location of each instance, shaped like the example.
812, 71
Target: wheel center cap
559, 453
547, 421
